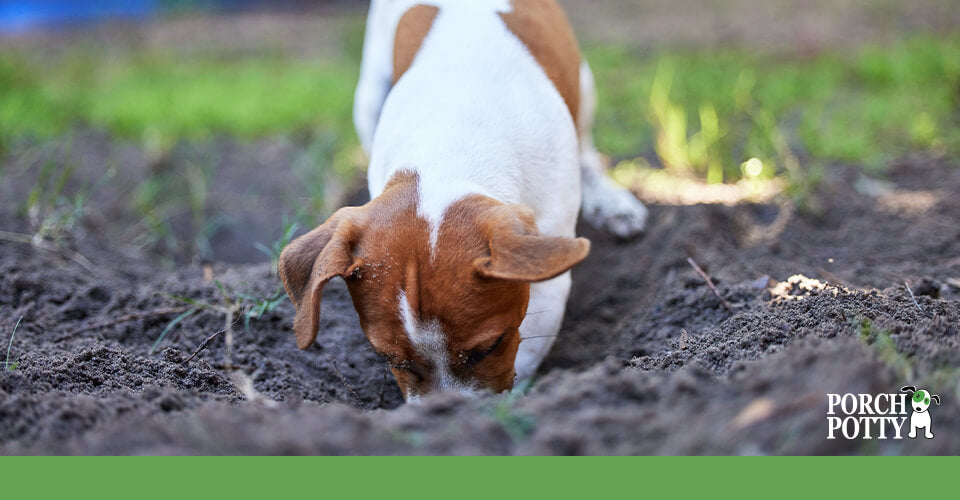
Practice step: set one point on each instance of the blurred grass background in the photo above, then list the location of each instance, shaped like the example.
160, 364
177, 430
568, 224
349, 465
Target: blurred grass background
713, 112
702, 113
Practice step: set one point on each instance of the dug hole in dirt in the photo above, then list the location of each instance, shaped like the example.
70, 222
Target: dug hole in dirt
649, 359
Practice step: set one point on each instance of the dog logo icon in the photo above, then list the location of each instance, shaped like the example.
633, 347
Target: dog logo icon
920, 401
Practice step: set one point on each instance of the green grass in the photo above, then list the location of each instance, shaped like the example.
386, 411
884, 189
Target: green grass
161, 99
706, 113
12, 365
276, 248
885, 347
702, 113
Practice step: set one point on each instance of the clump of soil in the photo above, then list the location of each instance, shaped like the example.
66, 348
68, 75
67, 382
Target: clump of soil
649, 359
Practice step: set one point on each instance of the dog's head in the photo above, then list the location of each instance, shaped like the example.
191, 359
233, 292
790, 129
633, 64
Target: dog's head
920, 400
442, 304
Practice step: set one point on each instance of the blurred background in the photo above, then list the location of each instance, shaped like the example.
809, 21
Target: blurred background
190, 131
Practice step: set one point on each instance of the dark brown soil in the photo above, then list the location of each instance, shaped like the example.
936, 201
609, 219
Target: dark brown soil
648, 361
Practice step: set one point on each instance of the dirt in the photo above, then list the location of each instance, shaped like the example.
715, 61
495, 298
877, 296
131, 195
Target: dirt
649, 359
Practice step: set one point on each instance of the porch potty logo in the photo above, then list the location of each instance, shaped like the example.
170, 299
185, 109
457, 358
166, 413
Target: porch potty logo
881, 416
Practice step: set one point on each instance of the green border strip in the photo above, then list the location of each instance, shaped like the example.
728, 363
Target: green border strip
470, 477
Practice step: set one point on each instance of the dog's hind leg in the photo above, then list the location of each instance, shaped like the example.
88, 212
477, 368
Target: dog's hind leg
606, 205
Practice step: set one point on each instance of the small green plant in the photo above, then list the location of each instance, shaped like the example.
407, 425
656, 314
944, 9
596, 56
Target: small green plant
198, 172
152, 203
12, 365
273, 251
517, 424
236, 305
885, 347
53, 214
180, 191
687, 155
314, 165
414, 439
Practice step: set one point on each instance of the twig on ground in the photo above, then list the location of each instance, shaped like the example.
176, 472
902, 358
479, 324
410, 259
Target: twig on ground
764, 408
343, 379
706, 278
203, 345
26, 239
912, 296
537, 337
231, 318
126, 319
228, 333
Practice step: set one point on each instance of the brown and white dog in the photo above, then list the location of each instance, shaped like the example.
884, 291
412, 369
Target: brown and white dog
476, 115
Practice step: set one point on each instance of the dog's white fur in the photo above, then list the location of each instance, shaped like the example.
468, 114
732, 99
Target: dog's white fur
476, 114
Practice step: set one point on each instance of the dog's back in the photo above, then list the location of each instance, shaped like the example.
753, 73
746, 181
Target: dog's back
483, 101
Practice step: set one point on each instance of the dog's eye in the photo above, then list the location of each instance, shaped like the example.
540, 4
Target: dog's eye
412, 367
478, 355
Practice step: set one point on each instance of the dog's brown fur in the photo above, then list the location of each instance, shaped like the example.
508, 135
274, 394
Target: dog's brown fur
543, 27
411, 30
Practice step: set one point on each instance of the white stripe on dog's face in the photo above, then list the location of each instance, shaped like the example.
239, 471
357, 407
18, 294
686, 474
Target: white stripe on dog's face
429, 341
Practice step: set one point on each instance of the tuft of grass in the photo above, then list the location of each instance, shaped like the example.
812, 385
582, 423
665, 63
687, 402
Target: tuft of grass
174, 322
518, 425
236, 305
51, 212
12, 365
414, 439
180, 190
885, 347
273, 251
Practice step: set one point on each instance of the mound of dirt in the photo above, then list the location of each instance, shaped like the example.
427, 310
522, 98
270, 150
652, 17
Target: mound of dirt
650, 360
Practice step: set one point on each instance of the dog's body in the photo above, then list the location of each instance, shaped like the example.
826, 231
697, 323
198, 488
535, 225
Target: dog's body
476, 116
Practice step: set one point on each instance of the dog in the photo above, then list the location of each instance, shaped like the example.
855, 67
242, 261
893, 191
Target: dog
476, 117
920, 419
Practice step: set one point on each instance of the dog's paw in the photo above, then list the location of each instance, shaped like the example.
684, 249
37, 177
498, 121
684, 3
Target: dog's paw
614, 209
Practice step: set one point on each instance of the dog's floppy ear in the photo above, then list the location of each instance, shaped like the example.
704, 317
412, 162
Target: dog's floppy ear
310, 261
908, 388
519, 253
935, 398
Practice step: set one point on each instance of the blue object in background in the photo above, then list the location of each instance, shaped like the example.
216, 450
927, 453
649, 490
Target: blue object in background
22, 15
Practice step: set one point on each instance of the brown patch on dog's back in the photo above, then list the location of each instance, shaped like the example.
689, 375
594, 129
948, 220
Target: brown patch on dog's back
543, 27
411, 30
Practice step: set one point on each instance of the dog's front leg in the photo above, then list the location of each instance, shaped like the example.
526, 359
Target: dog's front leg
541, 325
